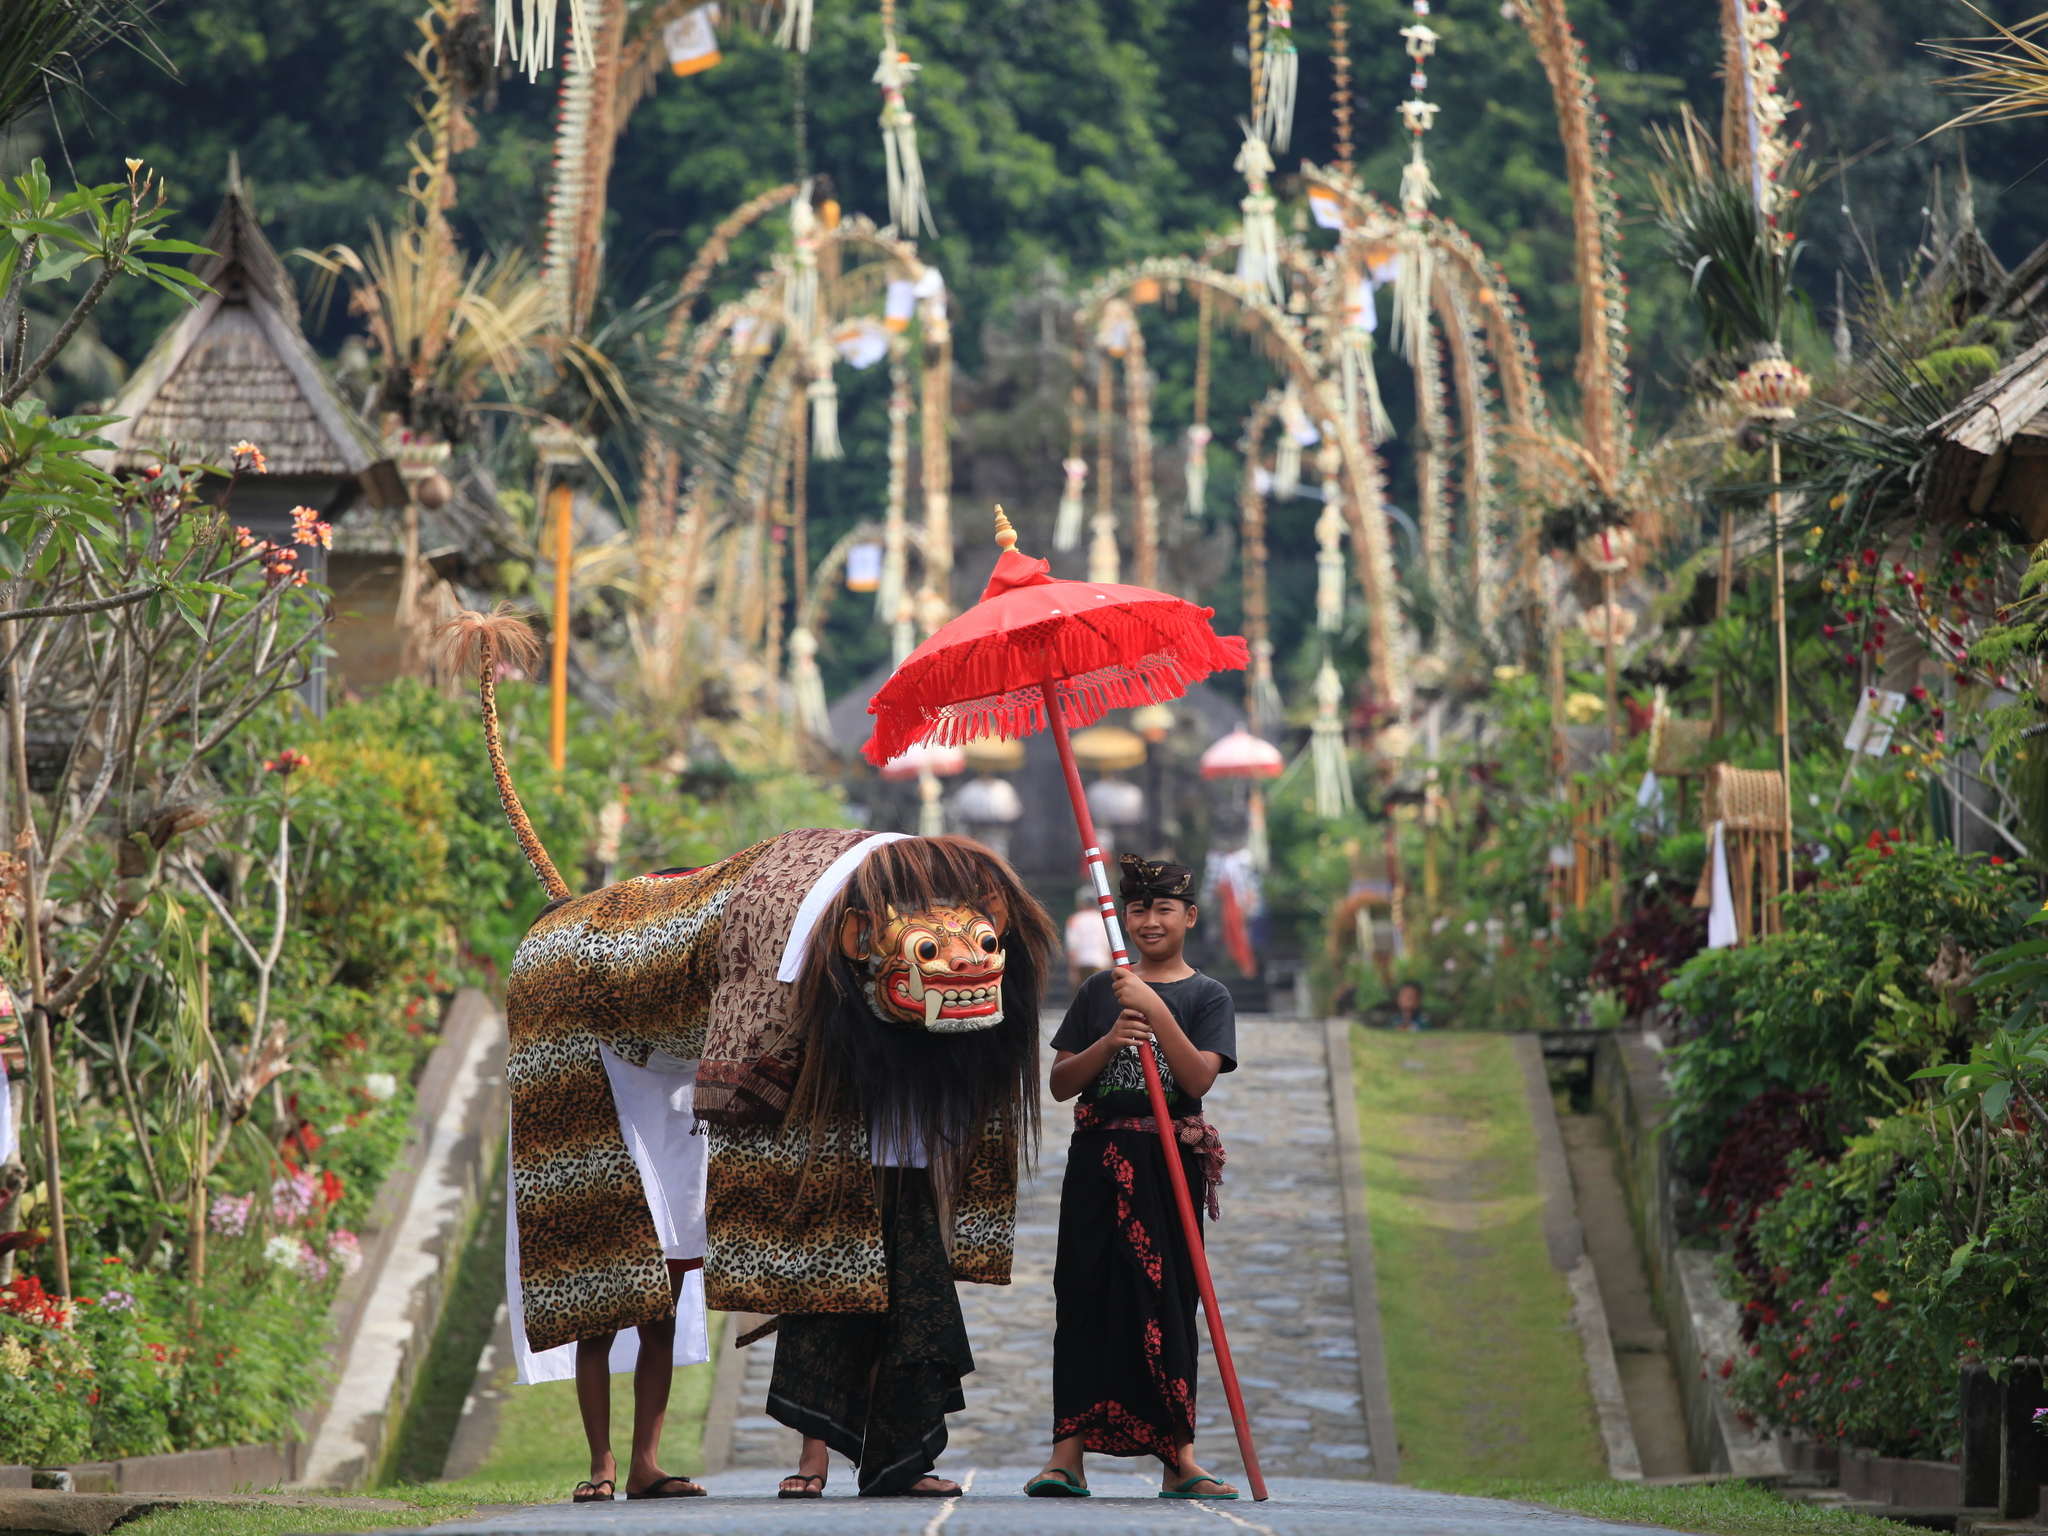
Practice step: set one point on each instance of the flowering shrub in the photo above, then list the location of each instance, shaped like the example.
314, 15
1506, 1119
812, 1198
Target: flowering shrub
1876, 1278
1849, 998
1638, 957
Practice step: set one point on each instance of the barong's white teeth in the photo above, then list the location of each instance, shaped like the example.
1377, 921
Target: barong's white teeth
934, 1000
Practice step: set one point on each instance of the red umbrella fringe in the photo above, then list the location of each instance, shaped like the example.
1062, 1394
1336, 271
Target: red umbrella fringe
980, 687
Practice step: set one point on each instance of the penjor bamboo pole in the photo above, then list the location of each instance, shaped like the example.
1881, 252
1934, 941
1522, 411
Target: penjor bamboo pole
1723, 593
561, 504
1784, 650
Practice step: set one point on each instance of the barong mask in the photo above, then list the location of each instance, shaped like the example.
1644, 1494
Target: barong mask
939, 969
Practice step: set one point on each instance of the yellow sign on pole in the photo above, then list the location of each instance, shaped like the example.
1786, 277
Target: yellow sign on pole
561, 503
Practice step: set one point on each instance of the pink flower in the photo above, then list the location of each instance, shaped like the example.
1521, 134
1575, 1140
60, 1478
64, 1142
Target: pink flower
291, 1198
308, 529
230, 1214
345, 1250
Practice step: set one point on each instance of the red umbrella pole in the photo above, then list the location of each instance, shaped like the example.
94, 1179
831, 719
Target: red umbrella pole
1098, 873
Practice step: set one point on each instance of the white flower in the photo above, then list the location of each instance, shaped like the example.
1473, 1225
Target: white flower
381, 1086
1471, 927
283, 1251
345, 1250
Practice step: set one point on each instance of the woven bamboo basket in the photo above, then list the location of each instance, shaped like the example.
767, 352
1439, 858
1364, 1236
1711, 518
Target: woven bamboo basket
1751, 807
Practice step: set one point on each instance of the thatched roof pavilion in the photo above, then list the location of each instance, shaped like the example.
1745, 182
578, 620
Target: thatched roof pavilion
236, 367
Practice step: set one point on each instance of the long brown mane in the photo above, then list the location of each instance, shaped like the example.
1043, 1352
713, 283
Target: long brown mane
936, 1089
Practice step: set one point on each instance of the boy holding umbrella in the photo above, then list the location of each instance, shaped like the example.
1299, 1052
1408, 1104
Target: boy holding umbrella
1125, 1349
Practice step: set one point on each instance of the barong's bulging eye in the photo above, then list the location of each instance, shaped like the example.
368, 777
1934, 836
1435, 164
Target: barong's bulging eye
928, 950
988, 943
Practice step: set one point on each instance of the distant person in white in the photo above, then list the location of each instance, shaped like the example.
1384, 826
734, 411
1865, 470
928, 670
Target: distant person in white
1087, 940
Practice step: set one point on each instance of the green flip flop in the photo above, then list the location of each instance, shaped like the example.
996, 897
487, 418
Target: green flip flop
1180, 1490
1056, 1483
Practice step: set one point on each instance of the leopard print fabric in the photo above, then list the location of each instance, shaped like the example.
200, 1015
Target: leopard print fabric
631, 967
791, 1233
683, 965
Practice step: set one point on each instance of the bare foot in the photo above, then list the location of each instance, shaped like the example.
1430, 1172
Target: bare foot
941, 1486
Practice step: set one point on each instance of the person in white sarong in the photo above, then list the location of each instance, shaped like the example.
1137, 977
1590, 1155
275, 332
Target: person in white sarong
655, 1118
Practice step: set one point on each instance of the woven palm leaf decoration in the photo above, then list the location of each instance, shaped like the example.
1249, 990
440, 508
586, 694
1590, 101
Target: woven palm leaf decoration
908, 210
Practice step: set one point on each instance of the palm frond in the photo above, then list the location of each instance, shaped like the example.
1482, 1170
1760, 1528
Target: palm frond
1739, 260
43, 42
2007, 73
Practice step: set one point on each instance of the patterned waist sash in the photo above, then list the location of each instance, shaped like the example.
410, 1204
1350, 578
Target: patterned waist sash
1195, 1134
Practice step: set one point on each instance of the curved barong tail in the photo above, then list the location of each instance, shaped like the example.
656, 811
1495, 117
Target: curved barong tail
483, 641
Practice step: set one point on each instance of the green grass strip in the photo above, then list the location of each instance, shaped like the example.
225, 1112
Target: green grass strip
1483, 1362
1715, 1509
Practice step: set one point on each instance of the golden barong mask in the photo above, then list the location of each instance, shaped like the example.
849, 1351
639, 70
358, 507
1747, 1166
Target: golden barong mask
938, 969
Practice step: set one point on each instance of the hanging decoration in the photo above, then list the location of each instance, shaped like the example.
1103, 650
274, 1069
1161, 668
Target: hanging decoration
1296, 433
1279, 75
691, 42
807, 686
526, 30
1330, 570
1418, 190
1360, 383
1072, 520
1110, 341
824, 398
1326, 746
1258, 251
1199, 436
1073, 514
794, 30
800, 295
908, 210
891, 590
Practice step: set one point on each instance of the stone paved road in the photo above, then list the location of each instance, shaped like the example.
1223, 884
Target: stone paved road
1281, 1270
739, 1506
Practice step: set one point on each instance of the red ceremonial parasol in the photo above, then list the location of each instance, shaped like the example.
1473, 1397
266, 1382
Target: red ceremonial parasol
1037, 654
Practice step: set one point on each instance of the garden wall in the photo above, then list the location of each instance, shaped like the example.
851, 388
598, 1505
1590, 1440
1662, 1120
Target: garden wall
1629, 1094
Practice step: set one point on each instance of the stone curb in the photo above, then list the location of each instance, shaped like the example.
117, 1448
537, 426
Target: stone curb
477, 1431
1376, 1397
726, 1384
1566, 1240
94, 1514
391, 1306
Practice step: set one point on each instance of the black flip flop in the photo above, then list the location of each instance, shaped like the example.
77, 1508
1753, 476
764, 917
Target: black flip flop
586, 1492
665, 1489
803, 1493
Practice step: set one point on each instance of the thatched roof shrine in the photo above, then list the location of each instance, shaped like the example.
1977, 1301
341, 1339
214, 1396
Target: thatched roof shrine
236, 367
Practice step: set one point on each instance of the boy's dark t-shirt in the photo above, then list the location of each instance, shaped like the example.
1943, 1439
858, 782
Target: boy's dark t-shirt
1202, 1006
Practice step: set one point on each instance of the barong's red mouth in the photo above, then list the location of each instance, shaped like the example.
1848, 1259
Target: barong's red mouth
978, 996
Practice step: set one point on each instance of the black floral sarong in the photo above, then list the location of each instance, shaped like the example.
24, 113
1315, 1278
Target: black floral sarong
1124, 1349
876, 1387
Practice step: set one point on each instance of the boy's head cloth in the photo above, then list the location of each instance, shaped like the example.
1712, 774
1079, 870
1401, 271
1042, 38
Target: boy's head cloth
1153, 880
